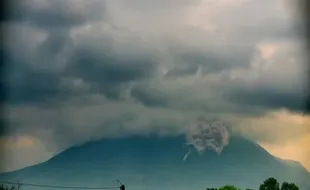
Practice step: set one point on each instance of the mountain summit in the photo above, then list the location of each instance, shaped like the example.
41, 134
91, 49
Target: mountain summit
161, 163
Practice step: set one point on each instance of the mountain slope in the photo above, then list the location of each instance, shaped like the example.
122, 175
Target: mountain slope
157, 162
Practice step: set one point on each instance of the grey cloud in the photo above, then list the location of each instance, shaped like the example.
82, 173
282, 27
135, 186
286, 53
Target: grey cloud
193, 99
36, 67
65, 61
216, 61
105, 73
35, 88
247, 20
278, 82
55, 53
268, 98
261, 86
92, 116
149, 7
200, 94
78, 70
34, 77
54, 14
22, 84
108, 71
150, 98
38, 78
102, 66
183, 70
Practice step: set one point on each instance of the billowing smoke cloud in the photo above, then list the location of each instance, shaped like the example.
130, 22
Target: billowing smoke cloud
207, 133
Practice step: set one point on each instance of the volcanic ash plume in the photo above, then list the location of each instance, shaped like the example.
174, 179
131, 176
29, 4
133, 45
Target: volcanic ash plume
208, 134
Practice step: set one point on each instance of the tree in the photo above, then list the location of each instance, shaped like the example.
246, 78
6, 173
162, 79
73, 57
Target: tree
285, 186
2, 187
289, 186
270, 184
293, 186
228, 187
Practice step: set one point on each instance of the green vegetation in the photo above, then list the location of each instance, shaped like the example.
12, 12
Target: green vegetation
269, 184
289, 186
228, 187
6, 187
273, 184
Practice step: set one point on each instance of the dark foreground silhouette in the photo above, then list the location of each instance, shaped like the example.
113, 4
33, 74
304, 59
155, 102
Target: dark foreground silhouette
269, 184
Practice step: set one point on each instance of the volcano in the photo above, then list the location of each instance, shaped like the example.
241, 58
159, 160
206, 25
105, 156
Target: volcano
156, 162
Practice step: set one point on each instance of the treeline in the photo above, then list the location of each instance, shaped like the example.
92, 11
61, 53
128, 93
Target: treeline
6, 187
269, 184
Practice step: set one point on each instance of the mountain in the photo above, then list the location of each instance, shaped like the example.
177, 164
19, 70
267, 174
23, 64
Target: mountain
159, 163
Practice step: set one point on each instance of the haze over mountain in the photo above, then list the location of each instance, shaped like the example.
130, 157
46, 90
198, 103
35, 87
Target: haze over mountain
156, 162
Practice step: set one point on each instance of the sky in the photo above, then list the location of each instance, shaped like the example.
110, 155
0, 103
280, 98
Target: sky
78, 70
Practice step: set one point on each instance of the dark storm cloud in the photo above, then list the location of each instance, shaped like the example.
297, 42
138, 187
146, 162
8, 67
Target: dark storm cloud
210, 61
182, 70
33, 74
52, 14
149, 5
24, 85
37, 78
79, 70
106, 67
108, 71
268, 98
54, 44
105, 72
205, 100
150, 98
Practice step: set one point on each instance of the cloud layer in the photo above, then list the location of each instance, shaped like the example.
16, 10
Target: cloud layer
80, 70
